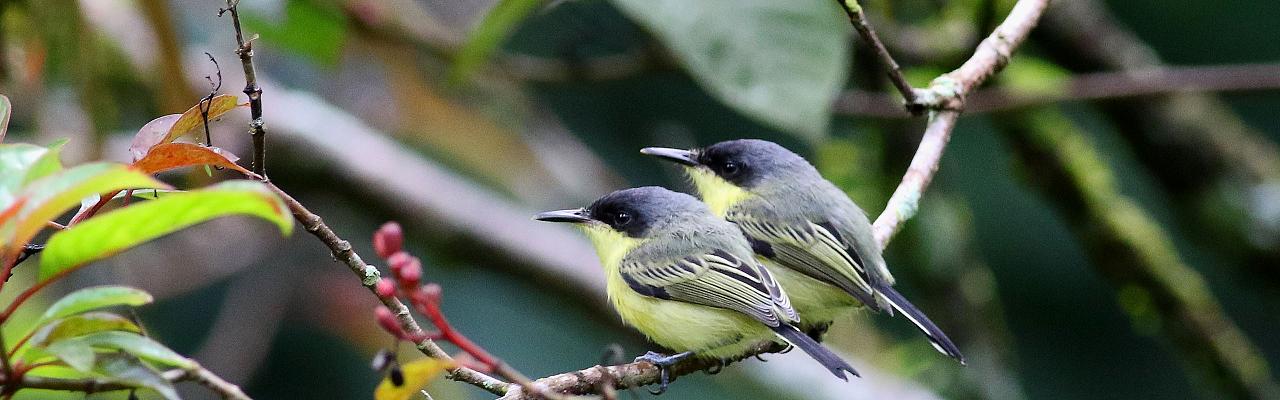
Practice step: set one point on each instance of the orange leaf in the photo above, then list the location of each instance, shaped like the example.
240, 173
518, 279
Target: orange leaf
168, 128
190, 120
169, 156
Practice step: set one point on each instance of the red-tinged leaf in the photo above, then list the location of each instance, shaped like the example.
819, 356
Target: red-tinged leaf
190, 120
11, 211
48, 197
168, 128
151, 134
6, 109
169, 156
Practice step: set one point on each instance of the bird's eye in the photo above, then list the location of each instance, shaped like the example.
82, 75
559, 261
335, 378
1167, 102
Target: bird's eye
622, 218
730, 168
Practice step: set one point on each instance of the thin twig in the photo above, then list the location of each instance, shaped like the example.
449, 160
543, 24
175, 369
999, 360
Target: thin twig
207, 101
947, 95
369, 276
212, 381
251, 89
859, 21
198, 375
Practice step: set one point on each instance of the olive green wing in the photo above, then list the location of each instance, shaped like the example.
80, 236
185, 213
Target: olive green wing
815, 249
714, 278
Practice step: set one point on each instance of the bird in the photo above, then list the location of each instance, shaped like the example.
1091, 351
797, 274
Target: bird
819, 244
687, 279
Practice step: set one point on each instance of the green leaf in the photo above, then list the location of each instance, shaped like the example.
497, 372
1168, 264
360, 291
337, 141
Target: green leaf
94, 298
6, 110
130, 370
489, 35
15, 161
780, 62
79, 352
116, 231
50, 196
73, 326
49, 163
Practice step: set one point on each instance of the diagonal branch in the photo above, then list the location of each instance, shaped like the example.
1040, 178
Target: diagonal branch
946, 94
369, 276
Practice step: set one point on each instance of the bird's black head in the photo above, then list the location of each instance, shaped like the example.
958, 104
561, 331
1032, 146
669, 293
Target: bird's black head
633, 212
744, 162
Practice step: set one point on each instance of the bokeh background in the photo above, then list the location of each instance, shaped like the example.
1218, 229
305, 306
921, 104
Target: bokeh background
1078, 249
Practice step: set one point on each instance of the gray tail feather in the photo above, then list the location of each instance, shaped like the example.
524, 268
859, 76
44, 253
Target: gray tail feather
939, 340
823, 355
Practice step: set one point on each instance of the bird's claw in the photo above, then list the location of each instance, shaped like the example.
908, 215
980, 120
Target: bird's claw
761, 358
664, 363
715, 369
787, 349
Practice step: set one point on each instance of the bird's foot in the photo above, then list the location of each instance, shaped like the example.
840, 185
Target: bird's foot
664, 363
715, 369
787, 349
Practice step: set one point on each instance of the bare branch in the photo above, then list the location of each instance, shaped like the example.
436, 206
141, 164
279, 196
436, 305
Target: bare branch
199, 375
947, 94
369, 276
251, 89
859, 21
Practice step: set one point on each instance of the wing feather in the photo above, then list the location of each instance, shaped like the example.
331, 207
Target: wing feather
815, 249
716, 279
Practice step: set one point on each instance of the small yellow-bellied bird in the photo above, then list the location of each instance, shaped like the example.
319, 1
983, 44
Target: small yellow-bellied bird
687, 279
815, 240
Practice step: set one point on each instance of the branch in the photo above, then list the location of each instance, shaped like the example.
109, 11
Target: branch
251, 89
947, 95
859, 21
407, 272
369, 277
1091, 86
198, 375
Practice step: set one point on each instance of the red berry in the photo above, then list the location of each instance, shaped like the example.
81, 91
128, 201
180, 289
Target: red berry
397, 262
411, 273
432, 292
388, 239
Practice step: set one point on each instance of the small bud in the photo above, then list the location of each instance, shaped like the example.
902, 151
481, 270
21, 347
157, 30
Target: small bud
411, 273
397, 261
432, 292
389, 322
388, 239
385, 288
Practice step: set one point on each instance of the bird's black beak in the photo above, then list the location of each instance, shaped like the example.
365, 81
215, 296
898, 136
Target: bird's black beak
576, 215
683, 157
